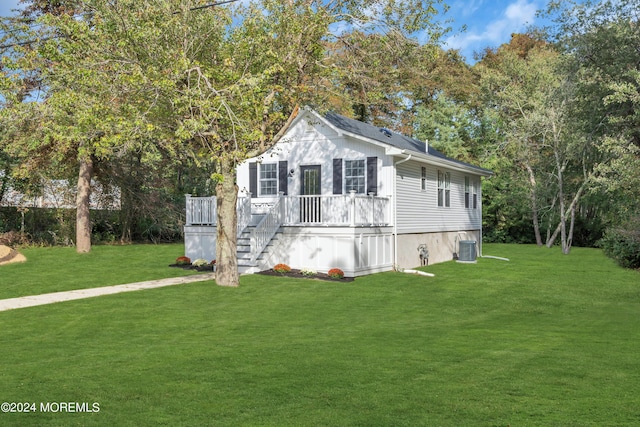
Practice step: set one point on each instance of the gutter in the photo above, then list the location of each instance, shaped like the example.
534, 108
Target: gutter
395, 207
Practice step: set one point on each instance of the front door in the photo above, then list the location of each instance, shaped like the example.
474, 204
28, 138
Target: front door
310, 211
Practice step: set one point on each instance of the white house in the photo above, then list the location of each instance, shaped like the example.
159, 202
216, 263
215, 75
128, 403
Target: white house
336, 192
60, 194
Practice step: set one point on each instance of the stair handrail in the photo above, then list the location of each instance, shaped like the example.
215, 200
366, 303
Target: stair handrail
262, 234
243, 210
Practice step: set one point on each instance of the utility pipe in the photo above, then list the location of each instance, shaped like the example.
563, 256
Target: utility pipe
421, 273
494, 257
395, 208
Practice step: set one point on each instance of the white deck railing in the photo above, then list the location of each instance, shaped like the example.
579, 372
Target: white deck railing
350, 210
340, 210
265, 230
204, 211
244, 213
201, 210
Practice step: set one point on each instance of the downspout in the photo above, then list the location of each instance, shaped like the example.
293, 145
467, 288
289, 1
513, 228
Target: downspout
481, 213
395, 210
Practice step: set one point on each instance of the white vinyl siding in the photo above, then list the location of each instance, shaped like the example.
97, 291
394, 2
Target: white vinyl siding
304, 148
418, 212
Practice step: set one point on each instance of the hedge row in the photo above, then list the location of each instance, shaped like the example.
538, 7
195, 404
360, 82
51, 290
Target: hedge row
41, 226
623, 243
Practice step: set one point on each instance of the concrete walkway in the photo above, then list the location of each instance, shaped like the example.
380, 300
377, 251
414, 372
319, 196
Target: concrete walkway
30, 301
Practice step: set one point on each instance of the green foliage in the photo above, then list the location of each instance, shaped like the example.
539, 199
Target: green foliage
448, 126
602, 44
48, 226
307, 272
622, 243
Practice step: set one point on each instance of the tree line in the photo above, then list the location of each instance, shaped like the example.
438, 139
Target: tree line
166, 97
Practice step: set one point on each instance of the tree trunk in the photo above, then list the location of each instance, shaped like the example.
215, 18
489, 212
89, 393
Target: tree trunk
564, 215
534, 203
570, 235
83, 216
227, 240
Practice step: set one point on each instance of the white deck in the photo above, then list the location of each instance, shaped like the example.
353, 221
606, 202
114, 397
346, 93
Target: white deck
352, 232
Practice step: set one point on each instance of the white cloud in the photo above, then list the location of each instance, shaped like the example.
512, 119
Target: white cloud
515, 18
466, 8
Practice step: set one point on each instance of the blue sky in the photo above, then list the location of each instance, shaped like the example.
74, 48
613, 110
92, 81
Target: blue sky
490, 23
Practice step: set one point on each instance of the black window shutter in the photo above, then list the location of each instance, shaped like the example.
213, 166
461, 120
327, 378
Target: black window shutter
337, 176
372, 175
253, 179
283, 174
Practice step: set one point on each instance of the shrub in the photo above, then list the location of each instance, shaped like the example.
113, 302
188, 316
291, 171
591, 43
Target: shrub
282, 268
183, 260
336, 273
199, 262
308, 272
13, 239
623, 243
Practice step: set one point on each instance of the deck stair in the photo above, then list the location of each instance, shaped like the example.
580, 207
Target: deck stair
256, 236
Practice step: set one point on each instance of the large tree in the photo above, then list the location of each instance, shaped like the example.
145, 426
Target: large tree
221, 82
59, 111
602, 43
529, 87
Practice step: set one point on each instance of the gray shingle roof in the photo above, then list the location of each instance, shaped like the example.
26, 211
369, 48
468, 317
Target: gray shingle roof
390, 138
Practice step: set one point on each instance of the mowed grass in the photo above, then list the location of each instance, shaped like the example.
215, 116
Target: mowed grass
63, 269
542, 340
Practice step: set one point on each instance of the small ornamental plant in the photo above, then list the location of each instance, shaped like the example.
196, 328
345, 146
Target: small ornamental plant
336, 273
282, 268
307, 272
183, 260
199, 262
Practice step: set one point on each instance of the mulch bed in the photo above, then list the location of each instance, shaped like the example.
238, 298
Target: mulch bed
298, 274
193, 267
293, 273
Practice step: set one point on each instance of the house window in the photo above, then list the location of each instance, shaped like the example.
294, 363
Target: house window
470, 193
444, 189
475, 194
354, 176
467, 192
423, 179
268, 179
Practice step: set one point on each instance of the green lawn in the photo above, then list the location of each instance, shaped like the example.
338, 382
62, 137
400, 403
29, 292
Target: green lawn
544, 339
62, 269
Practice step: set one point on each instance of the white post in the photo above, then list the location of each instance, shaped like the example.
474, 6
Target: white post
281, 211
188, 209
352, 193
373, 210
